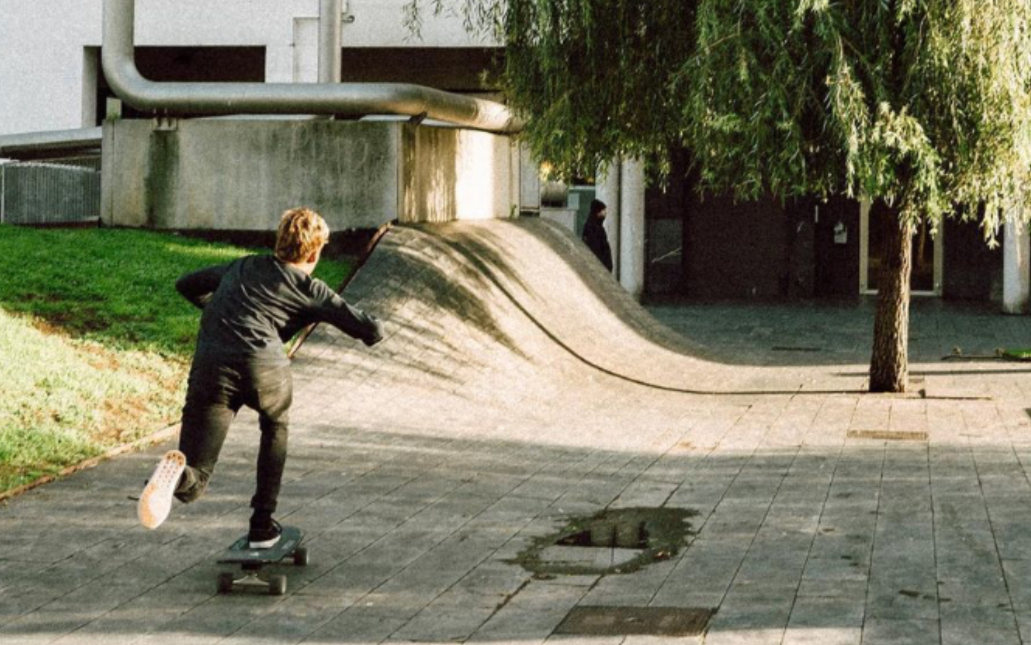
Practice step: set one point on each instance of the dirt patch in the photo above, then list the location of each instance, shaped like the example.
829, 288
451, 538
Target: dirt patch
120, 418
80, 319
66, 324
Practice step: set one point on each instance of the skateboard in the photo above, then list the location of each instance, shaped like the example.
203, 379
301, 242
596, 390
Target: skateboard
252, 561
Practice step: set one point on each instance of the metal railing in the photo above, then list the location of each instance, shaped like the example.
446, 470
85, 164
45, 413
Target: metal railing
47, 193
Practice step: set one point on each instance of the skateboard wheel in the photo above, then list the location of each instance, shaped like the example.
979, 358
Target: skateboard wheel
277, 585
301, 556
225, 582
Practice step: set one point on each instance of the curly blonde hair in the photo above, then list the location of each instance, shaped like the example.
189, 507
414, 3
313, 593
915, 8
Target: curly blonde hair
302, 232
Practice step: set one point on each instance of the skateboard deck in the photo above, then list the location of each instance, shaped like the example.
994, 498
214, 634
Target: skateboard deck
252, 561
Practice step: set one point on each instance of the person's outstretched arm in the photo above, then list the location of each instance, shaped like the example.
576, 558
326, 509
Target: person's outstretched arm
199, 286
354, 322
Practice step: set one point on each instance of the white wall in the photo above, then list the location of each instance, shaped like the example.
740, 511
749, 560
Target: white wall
380, 23
42, 44
450, 174
1016, 264
41, 63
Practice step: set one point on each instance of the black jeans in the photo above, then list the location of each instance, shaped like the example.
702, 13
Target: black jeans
216, 392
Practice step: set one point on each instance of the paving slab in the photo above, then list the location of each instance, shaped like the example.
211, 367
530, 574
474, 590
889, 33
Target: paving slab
518, 387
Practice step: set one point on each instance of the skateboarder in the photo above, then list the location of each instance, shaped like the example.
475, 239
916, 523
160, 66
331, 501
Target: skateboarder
251, 307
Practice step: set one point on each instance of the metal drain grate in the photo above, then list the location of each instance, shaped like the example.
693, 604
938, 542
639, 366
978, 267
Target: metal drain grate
650, 621
887, 435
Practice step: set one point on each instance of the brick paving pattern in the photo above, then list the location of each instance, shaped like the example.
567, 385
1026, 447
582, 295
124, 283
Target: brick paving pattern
519, 386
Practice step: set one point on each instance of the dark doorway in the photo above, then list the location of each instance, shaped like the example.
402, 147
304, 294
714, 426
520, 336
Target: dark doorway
881, 217
188, 64
837, 247
454, 69
665, 208
972, 269
713, 246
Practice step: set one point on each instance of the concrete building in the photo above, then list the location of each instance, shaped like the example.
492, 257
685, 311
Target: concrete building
51, 78
166, 168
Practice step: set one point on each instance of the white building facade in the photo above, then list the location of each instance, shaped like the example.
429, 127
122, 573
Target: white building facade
50, 75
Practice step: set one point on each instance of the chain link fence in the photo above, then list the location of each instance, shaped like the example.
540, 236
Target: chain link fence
49, 193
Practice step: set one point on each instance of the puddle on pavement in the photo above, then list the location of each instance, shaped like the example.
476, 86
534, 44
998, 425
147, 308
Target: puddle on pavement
612, 541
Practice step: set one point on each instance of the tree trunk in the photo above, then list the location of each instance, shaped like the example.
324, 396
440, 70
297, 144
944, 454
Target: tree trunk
889, 364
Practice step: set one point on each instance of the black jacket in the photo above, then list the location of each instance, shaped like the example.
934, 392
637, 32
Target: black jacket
253, 305
596, 239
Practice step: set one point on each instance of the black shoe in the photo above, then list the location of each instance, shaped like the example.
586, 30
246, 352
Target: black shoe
264, 537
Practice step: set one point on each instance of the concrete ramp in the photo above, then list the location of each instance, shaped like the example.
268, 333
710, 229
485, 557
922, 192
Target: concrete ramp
497, 318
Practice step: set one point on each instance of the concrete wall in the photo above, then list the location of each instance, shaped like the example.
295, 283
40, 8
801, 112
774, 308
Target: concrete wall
48, 81
231, 174
453, 174
45, 71
241, 175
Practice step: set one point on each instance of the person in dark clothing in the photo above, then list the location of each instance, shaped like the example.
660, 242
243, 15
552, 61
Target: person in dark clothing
594, 233
251, 307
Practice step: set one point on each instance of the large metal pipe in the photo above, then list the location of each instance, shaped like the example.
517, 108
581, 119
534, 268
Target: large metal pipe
344, 99
330, 23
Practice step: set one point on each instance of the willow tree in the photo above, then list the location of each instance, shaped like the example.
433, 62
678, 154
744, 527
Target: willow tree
923, 105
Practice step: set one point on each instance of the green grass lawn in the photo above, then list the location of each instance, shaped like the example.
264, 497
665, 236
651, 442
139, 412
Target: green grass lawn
94, 340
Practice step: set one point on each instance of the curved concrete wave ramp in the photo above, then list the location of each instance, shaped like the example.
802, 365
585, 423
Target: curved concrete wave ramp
501, 318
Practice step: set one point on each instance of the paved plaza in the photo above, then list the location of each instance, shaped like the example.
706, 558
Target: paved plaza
519, 387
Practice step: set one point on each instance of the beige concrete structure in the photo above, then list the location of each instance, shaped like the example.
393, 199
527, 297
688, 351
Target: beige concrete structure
239, 174
1016, 269
449, 174
632, 227
608, 192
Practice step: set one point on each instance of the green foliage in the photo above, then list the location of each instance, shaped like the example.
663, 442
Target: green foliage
595, 77
67, 399
114, 286
924, 104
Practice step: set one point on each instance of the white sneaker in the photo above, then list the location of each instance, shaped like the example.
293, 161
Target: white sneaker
156, 499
